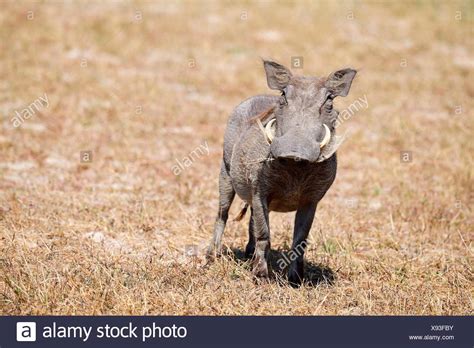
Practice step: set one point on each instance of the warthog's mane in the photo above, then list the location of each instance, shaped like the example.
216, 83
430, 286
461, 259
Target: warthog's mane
262, 116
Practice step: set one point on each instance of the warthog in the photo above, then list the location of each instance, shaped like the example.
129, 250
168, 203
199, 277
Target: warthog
280, 155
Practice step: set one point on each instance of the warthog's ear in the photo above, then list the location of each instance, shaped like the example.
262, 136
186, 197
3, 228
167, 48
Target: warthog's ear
339, 82
278, 76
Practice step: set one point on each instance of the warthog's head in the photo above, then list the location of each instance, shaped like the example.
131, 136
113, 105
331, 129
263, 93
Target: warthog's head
303, 127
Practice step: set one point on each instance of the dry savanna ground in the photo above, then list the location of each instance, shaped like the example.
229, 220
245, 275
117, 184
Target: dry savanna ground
100, 101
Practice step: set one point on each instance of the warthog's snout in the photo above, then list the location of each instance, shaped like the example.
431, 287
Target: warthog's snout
285, 148
293, 157
298, 146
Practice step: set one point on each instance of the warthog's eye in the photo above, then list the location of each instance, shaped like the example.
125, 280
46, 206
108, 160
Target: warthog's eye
283, 100
327, 106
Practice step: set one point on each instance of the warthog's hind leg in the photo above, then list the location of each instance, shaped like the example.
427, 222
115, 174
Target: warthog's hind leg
250, 248
226, 196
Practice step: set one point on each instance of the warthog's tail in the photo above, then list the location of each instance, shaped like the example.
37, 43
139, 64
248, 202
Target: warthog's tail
242, 213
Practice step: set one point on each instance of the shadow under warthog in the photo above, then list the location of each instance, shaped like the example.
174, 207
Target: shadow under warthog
314, 274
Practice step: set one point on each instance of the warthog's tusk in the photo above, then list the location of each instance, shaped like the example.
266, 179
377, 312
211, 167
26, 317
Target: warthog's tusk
270, 130
327, 137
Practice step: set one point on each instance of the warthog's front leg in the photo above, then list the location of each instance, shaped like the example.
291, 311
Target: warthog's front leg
303, 221
261, 230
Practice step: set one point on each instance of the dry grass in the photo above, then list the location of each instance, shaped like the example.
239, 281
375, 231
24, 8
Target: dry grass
109, 237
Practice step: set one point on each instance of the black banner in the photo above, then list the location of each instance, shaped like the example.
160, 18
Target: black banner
122, 331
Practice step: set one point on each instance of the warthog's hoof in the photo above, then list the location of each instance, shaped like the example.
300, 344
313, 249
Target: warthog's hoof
295, 280
296, 274
249, 250
212, 253
260, 269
